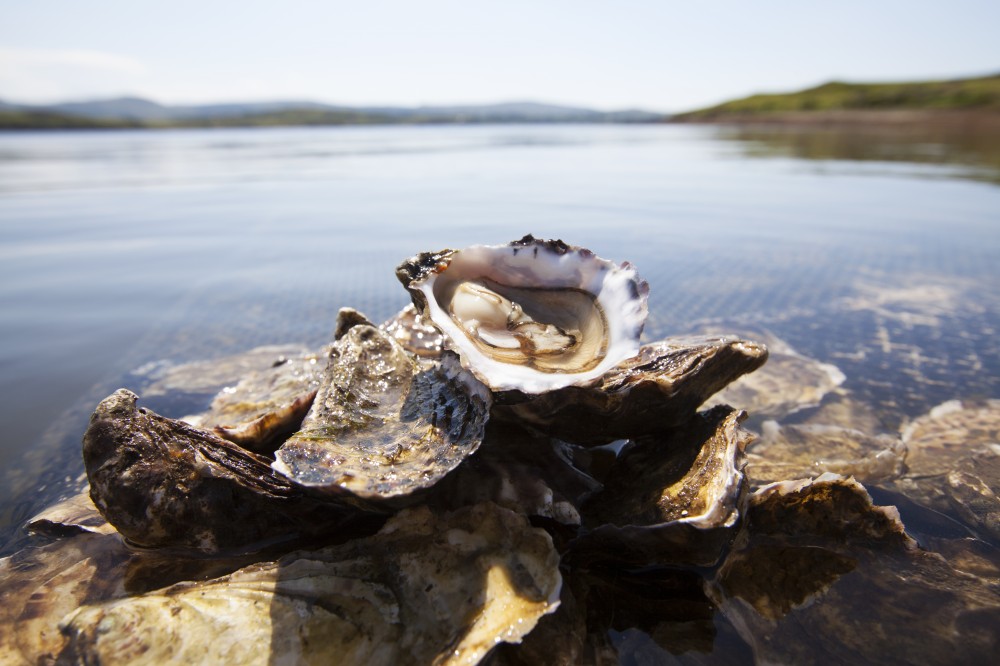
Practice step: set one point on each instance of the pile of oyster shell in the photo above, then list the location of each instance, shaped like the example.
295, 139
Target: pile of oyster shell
501, 472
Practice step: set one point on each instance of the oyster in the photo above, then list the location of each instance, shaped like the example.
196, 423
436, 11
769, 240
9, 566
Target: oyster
415, 332
532, 475
162, 482
823, 574
954, 463
384, 425
73, 515
270, 382
657, 389
673, 497
392, 598
532, 315
790, 382
43, 583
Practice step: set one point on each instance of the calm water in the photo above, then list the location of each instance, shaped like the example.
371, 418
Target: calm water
120, 249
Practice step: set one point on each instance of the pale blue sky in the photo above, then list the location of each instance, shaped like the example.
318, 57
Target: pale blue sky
667, 56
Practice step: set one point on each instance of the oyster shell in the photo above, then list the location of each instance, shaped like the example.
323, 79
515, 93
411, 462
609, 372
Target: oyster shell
673, 497
392, 598
383, 424
73, 515
270, 382
532, 315
162, 482
655, 390
825, 575
954, 463
532, 475
790, 382
415, 332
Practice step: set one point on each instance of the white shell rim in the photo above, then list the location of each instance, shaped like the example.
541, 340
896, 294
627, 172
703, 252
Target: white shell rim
618, 289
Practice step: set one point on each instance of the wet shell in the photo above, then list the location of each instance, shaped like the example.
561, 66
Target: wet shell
532, 315
673, 497
425, 590
655, 390
384, 425
164, 483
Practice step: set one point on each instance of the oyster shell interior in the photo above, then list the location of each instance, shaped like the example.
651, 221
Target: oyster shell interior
532, 315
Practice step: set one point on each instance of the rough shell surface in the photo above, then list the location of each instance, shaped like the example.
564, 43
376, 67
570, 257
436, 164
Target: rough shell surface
272, 377
823, 571
673, 497
383, 424
954, 464
530, 474
532, 315
163, 482
393, 598
415, 332
655, 390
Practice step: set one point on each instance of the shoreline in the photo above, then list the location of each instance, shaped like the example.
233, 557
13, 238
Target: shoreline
964, 120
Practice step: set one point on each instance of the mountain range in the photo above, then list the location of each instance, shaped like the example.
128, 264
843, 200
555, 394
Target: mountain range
139, 112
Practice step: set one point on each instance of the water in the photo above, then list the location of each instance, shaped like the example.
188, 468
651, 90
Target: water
121, 249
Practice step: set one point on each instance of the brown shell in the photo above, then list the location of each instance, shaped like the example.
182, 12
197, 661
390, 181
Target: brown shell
162, 482
652, 392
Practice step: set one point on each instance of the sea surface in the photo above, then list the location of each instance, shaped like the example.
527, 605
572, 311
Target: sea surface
123, 249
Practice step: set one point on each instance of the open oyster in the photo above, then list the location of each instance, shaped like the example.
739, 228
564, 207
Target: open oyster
533, 315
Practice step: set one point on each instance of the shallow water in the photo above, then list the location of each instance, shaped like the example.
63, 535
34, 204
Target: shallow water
123, 251
125, 248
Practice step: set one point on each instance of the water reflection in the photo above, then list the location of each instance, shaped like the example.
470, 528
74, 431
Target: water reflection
971, 143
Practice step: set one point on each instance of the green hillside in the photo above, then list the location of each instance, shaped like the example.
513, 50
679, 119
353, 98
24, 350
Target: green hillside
16, 119
960, 94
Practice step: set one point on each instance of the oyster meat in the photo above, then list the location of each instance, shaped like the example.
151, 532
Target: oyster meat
532, 315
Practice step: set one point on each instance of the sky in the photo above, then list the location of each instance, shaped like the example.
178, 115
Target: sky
653, 54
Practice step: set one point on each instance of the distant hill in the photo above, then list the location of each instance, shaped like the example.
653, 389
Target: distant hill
979, 94
137, 112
